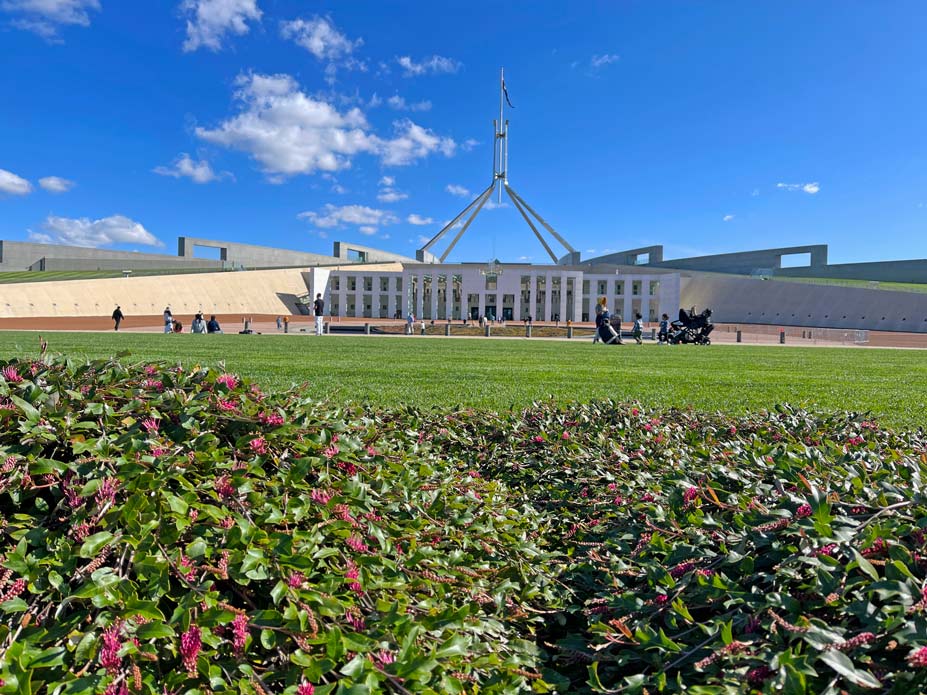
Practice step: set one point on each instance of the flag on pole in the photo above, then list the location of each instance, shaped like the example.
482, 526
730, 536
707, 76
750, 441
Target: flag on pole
506, 93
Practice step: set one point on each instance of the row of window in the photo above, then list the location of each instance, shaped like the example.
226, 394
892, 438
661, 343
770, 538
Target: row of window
601, 287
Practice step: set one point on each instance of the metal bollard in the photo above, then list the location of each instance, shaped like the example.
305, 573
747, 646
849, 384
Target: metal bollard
739, 337
447, 329
528, 330
366, 329
488, 331
328, 328
569, 331
653, 333
782, 337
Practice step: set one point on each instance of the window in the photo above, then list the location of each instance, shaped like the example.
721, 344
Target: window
368, 284
654, 288
336, 283
399, 284
602, 287
491, 282
636, 288
352, 283
384, 284
619, 287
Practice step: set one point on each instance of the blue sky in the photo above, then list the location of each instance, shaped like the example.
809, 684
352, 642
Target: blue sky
705, 126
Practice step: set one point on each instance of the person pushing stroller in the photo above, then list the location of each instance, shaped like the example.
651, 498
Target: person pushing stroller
603, 326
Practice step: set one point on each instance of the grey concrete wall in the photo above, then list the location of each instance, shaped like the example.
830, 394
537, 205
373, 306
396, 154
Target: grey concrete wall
746, 262
914, 270
340, 250
747, 300
251, 256
629, 257
136, 262
24, 255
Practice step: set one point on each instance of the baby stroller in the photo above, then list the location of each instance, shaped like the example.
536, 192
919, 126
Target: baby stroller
691, 328
606, 330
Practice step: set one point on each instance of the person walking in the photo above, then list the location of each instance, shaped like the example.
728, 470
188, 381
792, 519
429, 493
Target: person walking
117, 317
168, 320
638, 330
410, 322
599, 306
279, 323
318, 306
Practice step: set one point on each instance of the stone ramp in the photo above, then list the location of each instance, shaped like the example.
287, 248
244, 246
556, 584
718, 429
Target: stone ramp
260, 292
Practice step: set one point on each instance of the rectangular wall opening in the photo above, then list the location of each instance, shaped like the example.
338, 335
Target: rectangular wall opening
795, 260
213, 253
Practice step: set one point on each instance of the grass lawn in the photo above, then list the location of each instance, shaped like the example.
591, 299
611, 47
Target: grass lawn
502, 374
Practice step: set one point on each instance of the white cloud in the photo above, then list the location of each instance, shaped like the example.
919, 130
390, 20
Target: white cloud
56, 184
209, 21
339, 189
599, 61
115, 229
418, 220
45, 17
357, 215
459, 191
12, 184
469, 144
388, 192
320, 37
493, 205
421, 240
289, 132
755, 192
398, 103
728, 218
411, 142
810, 188
367, 229
430, 66
198, 172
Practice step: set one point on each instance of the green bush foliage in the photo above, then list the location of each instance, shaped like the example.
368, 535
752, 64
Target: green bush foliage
171, 529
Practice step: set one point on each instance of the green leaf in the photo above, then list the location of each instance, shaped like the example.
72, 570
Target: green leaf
93, 544
154, 630
842, 664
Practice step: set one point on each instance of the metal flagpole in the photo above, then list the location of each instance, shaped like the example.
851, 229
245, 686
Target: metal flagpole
500, 137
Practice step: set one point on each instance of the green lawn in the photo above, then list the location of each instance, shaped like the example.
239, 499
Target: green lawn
501, 374
15, 276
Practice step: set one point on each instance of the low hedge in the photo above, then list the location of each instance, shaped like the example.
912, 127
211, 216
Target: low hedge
175, 529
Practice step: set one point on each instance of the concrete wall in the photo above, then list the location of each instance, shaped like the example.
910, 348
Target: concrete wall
258, 292
747, 262
341, 250
630, 257
251, 256
881, 271
23, 255
747, 300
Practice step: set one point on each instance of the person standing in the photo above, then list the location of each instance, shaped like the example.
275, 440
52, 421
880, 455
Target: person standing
410, 322
599, 305
117, 317
279, 323
638, 330
168, 320
663, 335
318, 307
286, 324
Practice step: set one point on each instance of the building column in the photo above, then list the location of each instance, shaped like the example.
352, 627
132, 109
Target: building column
578, 298
390, 304
628, 298
548, 298
645, 298
563, 297
532, 295
516, 307
449, 297
420, 295
482, 297
434, 297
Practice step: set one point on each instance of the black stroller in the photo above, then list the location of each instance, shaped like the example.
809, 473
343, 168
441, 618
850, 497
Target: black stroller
691, 328
605, 327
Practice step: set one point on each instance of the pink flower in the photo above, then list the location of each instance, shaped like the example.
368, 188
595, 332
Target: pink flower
918, 658
272, 419
383, 658
305, 688
109, 652
11, 375
224, 487
150, 424
371, 451
538, 439
226, 405
119, 688
106, 493
187, 569
296, 580
322, 497
827, 550
190, 648
239, 633
158, 452
565, 435
227, 523
803, 511
757, 676
681, 569
661, 599
357, 544
230, 381
331, 452
258, 445
635, 412
732, 430
353, 574
356, 621
153, 384
151, 370
690, 495
705, 573
856, 441
647, 497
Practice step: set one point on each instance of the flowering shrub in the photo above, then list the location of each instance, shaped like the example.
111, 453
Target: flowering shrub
154, 540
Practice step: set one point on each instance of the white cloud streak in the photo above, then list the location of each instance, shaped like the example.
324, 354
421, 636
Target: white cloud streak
429, 66
116, 229
320, 37
598, 61
459, 191
418, 220
728, 218
12, 184
186, 167
333, 216
209, 22
810, 188
398, 103
289, 132
56, 184
46, 17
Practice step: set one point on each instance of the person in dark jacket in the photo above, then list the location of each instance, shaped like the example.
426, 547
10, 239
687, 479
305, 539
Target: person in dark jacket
213, 326
117, 317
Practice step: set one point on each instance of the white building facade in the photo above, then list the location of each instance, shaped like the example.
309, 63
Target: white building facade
510, 292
